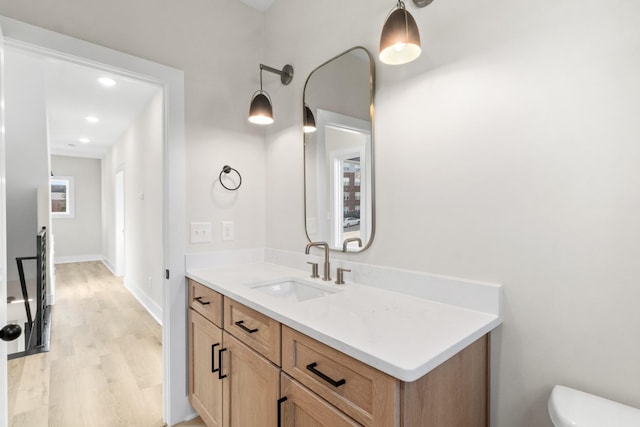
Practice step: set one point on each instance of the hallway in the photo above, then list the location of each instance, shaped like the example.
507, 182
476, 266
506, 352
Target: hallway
105, 363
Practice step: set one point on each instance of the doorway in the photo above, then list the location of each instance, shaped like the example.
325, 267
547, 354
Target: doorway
175, 405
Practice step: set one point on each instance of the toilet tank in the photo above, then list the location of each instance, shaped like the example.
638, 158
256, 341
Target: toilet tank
574, 408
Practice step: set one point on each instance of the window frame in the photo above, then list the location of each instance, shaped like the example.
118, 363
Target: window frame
69, 183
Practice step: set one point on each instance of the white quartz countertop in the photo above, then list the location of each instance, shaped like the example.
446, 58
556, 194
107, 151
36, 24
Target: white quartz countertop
402, 335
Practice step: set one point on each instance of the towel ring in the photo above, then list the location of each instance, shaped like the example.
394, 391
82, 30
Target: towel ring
227, 169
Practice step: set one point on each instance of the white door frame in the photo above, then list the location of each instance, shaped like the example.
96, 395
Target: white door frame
119, 267
175, 404
3, 248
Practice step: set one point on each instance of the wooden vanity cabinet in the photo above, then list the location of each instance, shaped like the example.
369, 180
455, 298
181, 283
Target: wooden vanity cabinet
235, 379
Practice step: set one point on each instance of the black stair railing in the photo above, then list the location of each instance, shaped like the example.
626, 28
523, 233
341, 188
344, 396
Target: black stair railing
35, 329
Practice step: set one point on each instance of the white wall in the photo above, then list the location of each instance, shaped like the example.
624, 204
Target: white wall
27, 156
514, 141
139, 153
80, 238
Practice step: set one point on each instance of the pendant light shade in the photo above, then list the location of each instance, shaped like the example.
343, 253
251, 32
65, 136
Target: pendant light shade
400, 38
260, 111
309, 125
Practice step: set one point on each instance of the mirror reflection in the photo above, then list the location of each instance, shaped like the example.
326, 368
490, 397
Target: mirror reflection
338, 151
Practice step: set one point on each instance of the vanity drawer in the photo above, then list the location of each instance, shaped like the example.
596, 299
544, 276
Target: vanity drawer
360, 391
206, 302
304, 408
256, 330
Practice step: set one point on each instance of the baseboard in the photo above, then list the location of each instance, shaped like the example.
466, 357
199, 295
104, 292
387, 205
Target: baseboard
76, 258
190, 417
107, 263
150, 305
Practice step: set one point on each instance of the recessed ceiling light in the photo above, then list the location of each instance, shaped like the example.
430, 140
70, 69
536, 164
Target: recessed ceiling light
106, 81
92, 119
84, 140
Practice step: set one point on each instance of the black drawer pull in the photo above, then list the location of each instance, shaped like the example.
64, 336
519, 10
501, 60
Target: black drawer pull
312, 368
220, 376
199, 299
280, 402
213, 358
240, 323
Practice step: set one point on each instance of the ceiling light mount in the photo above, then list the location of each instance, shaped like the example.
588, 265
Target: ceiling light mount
286, 74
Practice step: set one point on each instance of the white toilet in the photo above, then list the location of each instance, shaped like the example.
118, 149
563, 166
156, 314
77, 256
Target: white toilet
573, 408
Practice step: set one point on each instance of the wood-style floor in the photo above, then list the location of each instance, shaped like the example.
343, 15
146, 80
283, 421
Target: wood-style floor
104, 368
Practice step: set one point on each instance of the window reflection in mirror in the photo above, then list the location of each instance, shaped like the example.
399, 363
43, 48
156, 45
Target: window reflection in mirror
339, 191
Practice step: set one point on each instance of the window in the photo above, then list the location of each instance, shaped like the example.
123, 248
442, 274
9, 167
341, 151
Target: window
62, 197
357, 195
346, 181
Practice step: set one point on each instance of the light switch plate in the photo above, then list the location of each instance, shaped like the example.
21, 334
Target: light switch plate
200, 232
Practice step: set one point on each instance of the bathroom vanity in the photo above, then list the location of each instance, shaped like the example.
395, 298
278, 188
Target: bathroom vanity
269, 347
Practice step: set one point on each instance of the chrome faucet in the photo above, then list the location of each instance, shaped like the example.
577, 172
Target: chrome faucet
351, 239
327, 268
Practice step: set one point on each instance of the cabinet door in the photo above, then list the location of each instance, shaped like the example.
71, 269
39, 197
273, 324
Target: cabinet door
303, 408
251, 386
205, 388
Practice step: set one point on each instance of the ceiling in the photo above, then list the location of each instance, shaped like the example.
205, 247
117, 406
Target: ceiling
73, 92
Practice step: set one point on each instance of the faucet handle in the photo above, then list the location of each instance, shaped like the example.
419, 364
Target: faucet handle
314, 269
340, 273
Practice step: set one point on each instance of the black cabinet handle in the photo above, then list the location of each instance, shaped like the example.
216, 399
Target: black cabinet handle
220, 376
213, 359
199, 299
240, 323
280, 401
312, 368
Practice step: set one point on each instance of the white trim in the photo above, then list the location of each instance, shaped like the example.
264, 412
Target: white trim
77, 258
4, 418
107, 263
150, 305
175, 405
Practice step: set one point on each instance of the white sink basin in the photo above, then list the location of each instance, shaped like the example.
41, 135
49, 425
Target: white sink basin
295, 290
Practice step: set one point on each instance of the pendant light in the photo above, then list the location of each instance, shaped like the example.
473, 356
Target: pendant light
261, 111
400, 38
309, 123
